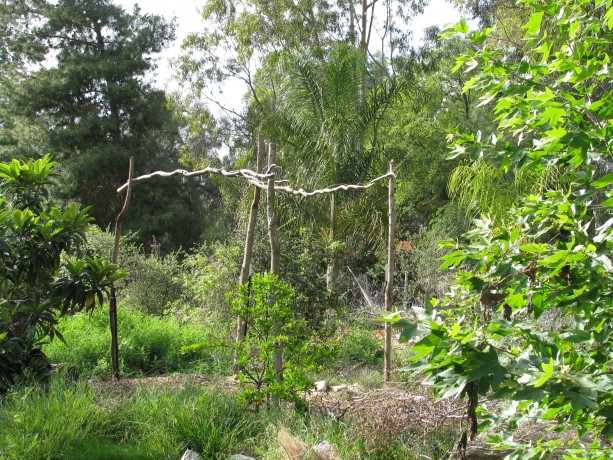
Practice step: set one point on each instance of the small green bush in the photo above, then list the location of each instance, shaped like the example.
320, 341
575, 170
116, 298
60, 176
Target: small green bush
153, 283
147, 345
359, 346
273, 328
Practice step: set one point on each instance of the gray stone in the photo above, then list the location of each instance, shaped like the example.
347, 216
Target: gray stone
321, 385
353, 387
323, 448
240, 457
190, 455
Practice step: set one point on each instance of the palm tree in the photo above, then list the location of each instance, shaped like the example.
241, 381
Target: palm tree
328, 127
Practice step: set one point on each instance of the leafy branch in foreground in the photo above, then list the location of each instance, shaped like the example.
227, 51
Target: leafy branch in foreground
42, 275
528, 321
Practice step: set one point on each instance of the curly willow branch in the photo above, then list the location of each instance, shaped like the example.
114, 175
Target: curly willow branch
256, 180
246, 173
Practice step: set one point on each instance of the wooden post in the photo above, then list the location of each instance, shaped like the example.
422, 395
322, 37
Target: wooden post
332, 272
115, 259
275, 249
389, 278
241, 325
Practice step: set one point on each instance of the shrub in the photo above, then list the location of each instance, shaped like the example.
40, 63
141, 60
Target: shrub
552, 255
42, 275
359, 347
153, 283
273, 327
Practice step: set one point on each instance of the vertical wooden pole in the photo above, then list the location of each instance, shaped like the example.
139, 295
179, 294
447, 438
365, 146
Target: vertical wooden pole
275, 249
115, 259
332, 272
389, 277
241, 325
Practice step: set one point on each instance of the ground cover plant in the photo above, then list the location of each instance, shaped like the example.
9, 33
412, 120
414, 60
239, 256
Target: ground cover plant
114, 423
160, 418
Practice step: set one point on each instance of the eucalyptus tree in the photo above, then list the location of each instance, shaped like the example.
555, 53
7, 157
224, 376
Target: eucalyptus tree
245, 38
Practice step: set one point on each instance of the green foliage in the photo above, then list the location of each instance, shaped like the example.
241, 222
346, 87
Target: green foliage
153, 282
208, 274
85, 96
148, 345
145, 420
481, 188
42, 276
273, 327
488, 336
358, 347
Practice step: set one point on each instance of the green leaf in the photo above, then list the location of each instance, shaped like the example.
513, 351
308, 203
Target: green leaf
533, 248
534, 24
604, 181
548, 373
608, 17
409, 331
483, 364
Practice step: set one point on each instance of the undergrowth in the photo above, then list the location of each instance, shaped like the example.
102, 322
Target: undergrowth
148, 345
77, 421
104, 421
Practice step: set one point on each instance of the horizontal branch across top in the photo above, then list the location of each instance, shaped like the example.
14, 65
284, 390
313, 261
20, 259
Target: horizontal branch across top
246, 173
301, 192
256, 180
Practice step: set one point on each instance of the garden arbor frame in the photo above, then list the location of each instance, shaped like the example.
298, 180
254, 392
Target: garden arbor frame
264, 181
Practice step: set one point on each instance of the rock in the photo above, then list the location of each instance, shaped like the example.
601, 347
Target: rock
190, 455
322, 385
323, 448
484, 453
240, 457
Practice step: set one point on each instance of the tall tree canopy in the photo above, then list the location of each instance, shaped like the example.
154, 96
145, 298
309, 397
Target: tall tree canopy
87, 99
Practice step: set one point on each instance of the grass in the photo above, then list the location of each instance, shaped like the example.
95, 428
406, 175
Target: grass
161, 418
104, 421
79, 421
148, 345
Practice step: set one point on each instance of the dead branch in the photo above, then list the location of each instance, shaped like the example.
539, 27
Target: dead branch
302, 192
246, 173
257, 180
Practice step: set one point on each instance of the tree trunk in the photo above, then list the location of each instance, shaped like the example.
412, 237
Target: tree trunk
332, 273
275, 250
389, 278
115, 259
241, 325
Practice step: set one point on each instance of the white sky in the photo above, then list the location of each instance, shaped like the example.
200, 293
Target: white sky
438, 12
